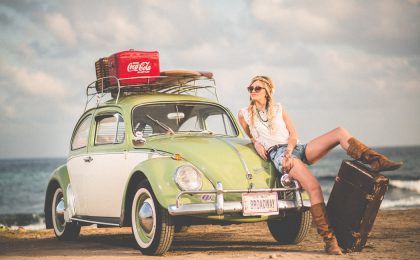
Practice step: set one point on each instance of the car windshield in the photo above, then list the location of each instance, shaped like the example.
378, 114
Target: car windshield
166, 118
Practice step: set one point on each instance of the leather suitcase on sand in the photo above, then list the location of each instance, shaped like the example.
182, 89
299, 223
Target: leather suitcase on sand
354, 203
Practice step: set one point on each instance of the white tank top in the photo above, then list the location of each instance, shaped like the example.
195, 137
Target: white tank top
262, 133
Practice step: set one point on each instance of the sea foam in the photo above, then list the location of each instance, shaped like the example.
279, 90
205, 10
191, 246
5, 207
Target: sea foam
406, 184
410, 202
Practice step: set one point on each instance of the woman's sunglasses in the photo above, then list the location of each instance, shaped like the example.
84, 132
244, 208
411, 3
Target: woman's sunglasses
257, 89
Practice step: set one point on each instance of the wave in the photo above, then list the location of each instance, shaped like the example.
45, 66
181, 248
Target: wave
401, 182
37, 226
27, 220
412, 177
413, 185
326, 178
410, 202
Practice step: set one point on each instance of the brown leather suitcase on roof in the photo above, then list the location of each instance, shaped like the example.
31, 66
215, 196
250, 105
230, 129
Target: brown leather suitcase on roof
354, 203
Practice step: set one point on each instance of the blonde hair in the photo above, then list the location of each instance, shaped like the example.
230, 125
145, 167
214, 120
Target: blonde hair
252, 108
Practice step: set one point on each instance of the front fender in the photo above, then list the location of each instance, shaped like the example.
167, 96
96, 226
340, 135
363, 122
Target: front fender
160, 173
59, 177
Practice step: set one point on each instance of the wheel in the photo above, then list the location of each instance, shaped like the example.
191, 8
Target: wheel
152, 225
62, 229
291, 229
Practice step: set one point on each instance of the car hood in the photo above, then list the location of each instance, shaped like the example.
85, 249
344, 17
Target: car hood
223, 159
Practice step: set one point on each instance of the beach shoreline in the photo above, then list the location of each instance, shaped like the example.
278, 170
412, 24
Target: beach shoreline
395, 235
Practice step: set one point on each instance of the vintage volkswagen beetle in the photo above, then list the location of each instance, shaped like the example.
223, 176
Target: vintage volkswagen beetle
158, 159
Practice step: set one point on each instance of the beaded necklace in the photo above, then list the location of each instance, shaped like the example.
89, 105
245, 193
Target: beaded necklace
260, 117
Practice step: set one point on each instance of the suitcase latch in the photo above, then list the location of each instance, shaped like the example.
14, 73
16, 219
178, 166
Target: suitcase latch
369, 197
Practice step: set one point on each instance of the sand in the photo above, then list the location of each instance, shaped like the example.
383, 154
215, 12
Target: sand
395, 235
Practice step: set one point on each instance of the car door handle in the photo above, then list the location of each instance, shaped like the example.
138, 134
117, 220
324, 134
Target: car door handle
88, 159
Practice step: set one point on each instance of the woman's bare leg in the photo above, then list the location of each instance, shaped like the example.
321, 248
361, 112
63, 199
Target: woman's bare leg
320, 146
300, 173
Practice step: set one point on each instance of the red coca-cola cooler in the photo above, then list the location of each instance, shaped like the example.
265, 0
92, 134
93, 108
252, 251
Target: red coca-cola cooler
132, 64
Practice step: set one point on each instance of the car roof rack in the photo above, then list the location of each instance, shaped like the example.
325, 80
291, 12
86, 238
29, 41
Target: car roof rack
171, 82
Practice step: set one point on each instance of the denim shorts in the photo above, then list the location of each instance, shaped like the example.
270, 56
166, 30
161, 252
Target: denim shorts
277, 155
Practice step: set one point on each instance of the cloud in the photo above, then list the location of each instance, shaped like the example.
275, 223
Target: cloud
290, 17
61, 28
337, 62
32, 83
382, 27
155, 27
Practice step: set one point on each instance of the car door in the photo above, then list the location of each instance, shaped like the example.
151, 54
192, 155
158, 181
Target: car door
106, 168
76, 162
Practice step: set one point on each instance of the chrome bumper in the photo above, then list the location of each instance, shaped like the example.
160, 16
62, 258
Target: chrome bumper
220, 206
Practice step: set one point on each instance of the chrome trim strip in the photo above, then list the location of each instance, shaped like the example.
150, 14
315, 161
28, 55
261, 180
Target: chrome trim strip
139, 151
219, 198
248, 173
95, 222
220, 206
299, 199
221, 191
229, 207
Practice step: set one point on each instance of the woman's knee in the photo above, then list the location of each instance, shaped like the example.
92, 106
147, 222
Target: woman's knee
300, 172
341, 131
342, 134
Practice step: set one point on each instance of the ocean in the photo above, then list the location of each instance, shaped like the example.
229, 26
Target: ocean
23, 183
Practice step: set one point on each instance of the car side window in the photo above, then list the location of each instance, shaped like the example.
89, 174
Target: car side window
110, 129
81, 136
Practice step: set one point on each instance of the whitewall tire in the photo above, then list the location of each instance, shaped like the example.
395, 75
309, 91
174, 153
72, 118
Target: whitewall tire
152, 226
62, 229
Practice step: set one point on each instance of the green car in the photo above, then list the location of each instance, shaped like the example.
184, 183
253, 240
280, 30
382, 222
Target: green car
160, 157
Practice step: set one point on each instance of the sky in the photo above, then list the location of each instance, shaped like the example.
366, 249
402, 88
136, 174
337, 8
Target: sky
348, 63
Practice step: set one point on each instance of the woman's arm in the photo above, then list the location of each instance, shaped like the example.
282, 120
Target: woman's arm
258, 147
244, 125
288, 161
292, 131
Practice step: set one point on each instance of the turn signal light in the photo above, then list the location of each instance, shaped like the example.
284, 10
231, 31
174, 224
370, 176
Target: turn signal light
177, 157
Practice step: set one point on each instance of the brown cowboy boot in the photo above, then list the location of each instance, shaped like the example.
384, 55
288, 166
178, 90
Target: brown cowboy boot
377, 161
319, 214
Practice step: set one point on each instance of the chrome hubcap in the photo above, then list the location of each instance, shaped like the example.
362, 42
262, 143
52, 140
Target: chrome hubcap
146, 217
59, 210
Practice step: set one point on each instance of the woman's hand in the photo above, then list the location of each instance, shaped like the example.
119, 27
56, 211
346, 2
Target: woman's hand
287, 163
260, 150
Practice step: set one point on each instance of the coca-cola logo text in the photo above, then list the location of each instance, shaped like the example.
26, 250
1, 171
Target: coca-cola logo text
139, 67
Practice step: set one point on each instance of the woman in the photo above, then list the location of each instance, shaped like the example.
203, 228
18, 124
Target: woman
274, 136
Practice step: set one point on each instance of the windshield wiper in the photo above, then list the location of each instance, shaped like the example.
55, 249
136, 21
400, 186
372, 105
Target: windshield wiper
197, 131
167, 128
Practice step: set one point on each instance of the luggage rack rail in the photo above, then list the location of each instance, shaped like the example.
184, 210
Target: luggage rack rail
153, 85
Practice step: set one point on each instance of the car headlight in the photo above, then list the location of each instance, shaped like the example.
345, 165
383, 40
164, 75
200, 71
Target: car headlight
187, 177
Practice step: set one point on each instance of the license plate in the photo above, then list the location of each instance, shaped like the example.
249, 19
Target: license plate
260, 204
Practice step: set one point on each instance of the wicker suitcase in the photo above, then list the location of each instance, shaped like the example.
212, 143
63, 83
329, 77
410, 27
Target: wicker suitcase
102, 70
354, 203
